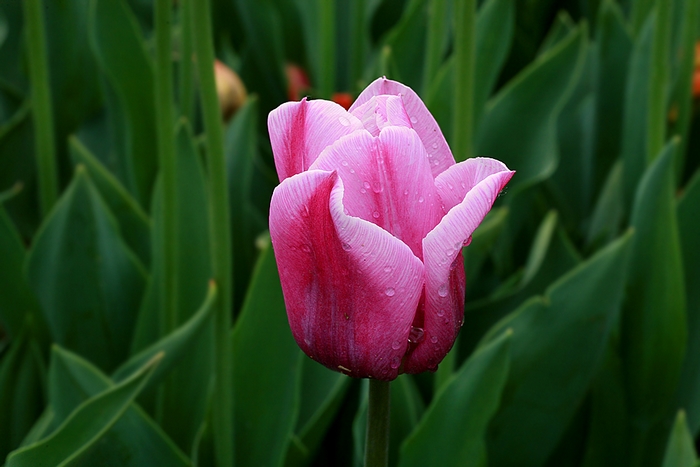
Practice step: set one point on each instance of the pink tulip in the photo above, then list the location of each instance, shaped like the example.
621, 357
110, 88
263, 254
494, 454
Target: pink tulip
368, 225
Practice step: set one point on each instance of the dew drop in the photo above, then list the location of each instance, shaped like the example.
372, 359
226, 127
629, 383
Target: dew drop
366, 185
377, 188
395, 345
421, 199
467, 241
441, 312
344, 121
414, 120
307, 341
375, 214
390, 291
346, 246
344, 163
387, 268
449, 185
395, 362
436, 162
434, 339
416, 335
442, 290
405, 192
435, 145
306, 248
352, 171
363, 191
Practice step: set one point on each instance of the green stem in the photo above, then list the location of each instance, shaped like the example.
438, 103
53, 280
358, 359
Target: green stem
463, 84
658, 78
42, 114
186, 75
434, 43
377, 442
639, 12
326, 42
220, 235
166, 158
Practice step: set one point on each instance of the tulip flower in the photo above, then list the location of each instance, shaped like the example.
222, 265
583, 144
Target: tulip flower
368, 225
230, 90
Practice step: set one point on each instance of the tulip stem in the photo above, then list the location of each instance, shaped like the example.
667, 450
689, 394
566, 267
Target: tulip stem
463, 81
42, 113
186, 81
377, 442
656, 116
219, 231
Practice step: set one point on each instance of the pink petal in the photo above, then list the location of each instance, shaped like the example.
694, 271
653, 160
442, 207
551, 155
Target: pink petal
444, 273
454, 183
420, 117
382, 111
299, 131
387, 181
350, 288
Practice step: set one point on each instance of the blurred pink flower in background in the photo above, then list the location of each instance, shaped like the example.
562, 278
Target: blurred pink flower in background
368, 225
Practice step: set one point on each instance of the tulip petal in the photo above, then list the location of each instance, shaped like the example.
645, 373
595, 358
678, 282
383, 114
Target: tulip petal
351, 289
454, 183
443, 312
382, 111
299, 131
387, 182
420, 117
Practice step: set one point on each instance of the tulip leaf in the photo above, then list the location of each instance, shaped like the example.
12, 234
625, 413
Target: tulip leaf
562, 26
87, 281
321, 396
133, 222
407, 408
452, 431
689, 230
634, 125
609, 209
653, 327
526, 110
266, 371
556, 348
122, 56
134, 439
680, 449
16, 299
86, 425
478, 250
21, 392
241, 152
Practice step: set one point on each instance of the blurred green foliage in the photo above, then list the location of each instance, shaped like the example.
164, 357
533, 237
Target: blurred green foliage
581, 343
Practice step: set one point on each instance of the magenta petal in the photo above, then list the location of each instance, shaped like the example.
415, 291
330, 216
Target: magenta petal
420, 117
387, 182
382, 111
444, 273
454, 183
299, 131
351, 289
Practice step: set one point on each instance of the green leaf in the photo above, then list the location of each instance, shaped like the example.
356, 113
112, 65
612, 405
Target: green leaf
21, 392
266, 371
689, 230
122, 57
133, 440
654, 330
634, 125
609, 209
86, 279
451, 433
241, 151
680, 449
133, 221
85, 426
407, 408
321, 394
563, 26
483, 239
556, 348
16, 299
526, 111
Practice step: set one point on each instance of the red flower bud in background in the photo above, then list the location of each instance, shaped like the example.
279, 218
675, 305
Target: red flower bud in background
230, 90
343, 99
696, 72
297, 81
368, 225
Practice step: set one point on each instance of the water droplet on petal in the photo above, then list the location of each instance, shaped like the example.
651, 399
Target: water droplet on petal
387, 268
375, 214
377, 188
395, 362
405, 192
416, 335
366, 185
395, 345
344, 121
390, 291
467, 241
421, 199
435, 145
441, 312
434, 339
306, 248
346, 246
352, 171
414, 120
442, 290
344, 163
363, 191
